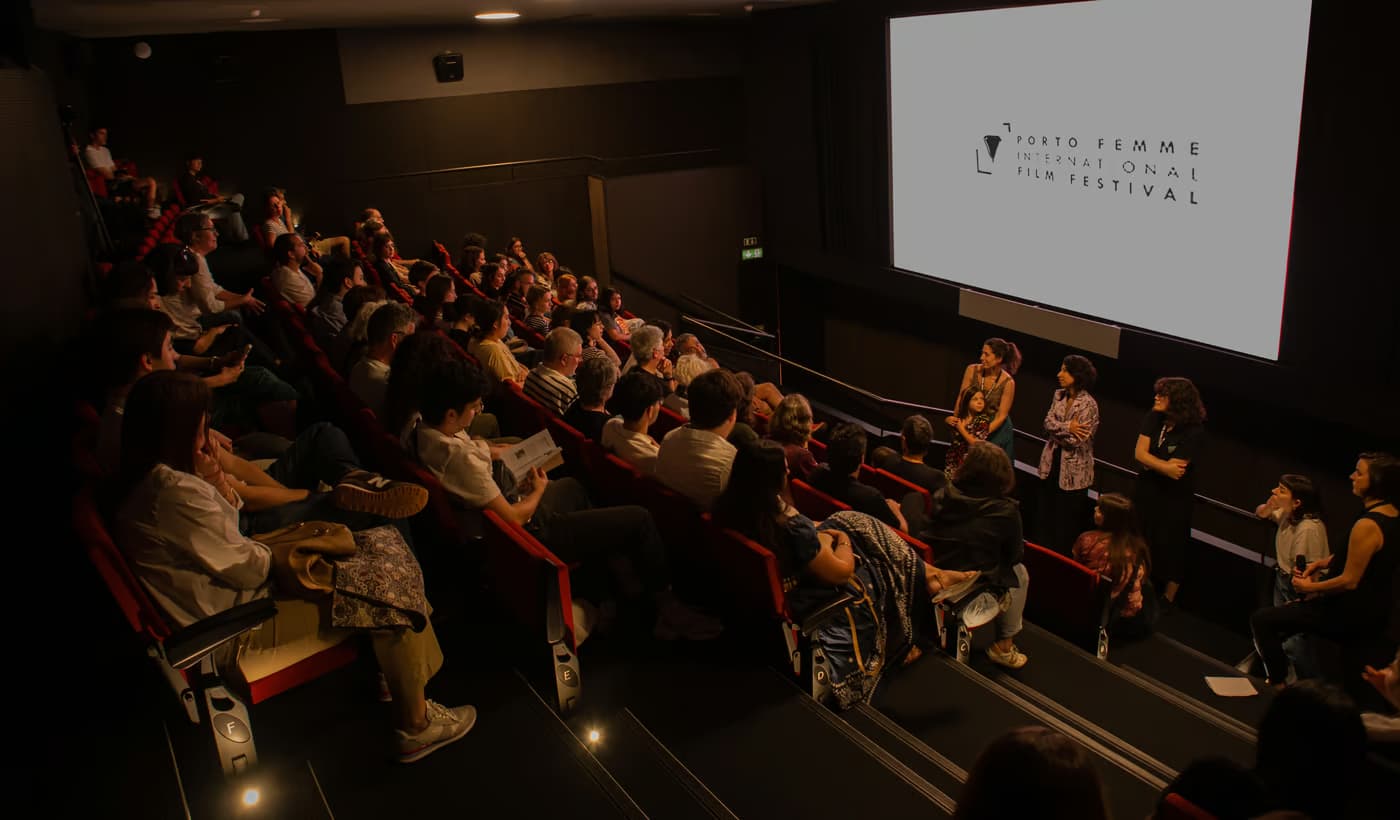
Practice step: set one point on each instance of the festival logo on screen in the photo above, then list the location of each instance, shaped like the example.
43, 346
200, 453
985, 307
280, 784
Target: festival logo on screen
1148, 169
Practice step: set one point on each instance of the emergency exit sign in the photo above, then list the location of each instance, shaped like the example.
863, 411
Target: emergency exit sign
749, 254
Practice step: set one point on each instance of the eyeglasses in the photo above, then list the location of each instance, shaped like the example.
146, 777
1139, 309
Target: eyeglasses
476, 406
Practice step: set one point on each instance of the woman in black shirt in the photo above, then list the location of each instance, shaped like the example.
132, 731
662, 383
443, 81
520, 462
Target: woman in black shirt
1167, 445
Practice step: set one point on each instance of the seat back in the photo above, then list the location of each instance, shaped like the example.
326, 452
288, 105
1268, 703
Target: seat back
677, 517
570, 440
131, 598
1068, 595
1176, 807
388, 455
750, 572
612, 480
532, 583
812, 502
666, 421
521, 415
818, 450
892, 486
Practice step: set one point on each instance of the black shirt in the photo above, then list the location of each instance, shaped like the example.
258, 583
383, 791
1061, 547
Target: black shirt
588, 422
192, 189
1183, 442
919, 473
860, 497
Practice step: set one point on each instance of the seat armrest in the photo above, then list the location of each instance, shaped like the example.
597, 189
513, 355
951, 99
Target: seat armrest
186, 647
825, 612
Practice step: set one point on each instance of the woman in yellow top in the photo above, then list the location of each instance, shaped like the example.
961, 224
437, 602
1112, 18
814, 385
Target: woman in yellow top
492, 324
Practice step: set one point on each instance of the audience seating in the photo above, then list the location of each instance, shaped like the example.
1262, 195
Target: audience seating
892, 486
1069, 597
812, 502
667, 421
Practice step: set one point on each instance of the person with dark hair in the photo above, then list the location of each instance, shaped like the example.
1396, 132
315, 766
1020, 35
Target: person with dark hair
391, 270
1355, 606
978, 526
1296, 508
618, 328
178, 525
1220, 786
558, 513
545, 266
1169, 441
551, 383
412, 366
595, 379
1311, 751
493, 281
970, 426
98, 157
327, 310
279, 222
587, 293
838, 478
291, 267
460, 318
791, 427
1032, 773
517, 286
515, 251
196, 232
1067, 461
488, 347
1115, 550
537, 309
438, 291
473, 258
695, 459
388, 327
637, 400
992, 375
348, 345
199, 199
915, 438
817, 561
131, 285
420, 272
589, 327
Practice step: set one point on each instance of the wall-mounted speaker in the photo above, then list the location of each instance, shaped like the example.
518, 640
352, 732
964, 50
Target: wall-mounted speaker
448, 67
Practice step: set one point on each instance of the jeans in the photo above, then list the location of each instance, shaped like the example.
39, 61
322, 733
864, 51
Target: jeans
229, 213
1298, 648
566, 522
1009, 622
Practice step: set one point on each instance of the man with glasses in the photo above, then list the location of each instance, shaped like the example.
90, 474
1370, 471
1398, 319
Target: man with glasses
390, 324
197, 233
552, 382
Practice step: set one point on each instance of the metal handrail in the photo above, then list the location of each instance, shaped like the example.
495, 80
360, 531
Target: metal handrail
516, 163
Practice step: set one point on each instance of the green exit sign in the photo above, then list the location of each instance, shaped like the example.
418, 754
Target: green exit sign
749, 254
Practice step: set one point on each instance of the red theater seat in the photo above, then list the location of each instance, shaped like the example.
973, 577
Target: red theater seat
812, 502
1068, 596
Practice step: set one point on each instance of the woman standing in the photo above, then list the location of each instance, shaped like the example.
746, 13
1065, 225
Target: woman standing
1167, 444
1067, 462
1358, 602
992, 374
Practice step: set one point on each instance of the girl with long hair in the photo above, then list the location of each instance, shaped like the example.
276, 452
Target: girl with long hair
1115, 550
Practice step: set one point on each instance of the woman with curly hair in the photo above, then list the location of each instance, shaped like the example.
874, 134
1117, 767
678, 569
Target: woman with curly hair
791, 426
1167, 445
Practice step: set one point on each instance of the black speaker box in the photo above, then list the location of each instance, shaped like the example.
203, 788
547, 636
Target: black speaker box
448, 67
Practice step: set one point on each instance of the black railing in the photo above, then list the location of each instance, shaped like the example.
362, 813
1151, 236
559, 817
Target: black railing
512, 165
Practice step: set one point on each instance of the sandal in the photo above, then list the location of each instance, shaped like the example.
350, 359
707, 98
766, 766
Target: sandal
912, 655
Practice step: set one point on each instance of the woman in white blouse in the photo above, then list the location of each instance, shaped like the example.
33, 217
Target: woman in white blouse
177, 523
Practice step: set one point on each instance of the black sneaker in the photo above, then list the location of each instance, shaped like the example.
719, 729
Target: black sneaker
363, 491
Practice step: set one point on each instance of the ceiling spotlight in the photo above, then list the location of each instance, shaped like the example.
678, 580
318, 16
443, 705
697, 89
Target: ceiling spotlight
497, 16
251, 797
594, 736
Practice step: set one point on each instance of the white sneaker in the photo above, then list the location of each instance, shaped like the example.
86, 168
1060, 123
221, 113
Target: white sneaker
1012, 658
676, 620
444, 726
585, 620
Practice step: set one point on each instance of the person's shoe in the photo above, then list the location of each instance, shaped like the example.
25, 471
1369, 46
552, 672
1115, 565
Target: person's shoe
363, 491
444, 726
1012, 658
676, 620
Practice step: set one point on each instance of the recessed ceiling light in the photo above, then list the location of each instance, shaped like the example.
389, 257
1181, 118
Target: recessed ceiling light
494, 16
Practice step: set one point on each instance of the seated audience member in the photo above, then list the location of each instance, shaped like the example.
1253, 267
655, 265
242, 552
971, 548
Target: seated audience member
587, 293
279, 221
1311, 751
199, 199
1032, 772
915, 438
178, 524
565, 287
558, 513
493, 281
488, 347
537, 312
1116, 550
637, 400
1220, 786
695, 460
821, 561
545, 267
516, 289
845, 452
552, 382
391, 270
98, 157
1356, 605
649, 348
414, 363
1295, 508
618, 328
366, 216
515, 251
438, 292
743, 432
197, 233
175, 269
369, 378
686, 370
420, 272
131, 285
349, 344
327, 310
595, 379
689, 344
292, 267
766, 394
978, 526
460, 318
590, 328
791, 427
473, 258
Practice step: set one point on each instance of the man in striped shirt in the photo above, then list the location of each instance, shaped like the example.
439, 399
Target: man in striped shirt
552, 383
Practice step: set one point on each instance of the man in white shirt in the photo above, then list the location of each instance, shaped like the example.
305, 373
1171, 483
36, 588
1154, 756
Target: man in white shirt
196, 231
390, 324
552, 382
695, 460
637, 399
293, 266
98, 157
558, 513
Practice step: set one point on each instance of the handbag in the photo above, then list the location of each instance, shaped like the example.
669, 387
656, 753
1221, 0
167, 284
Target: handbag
302, 555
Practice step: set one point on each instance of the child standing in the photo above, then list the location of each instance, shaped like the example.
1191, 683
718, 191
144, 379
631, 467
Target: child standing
972, 425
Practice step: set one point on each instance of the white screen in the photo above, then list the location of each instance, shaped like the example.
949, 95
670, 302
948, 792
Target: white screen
1194, 241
